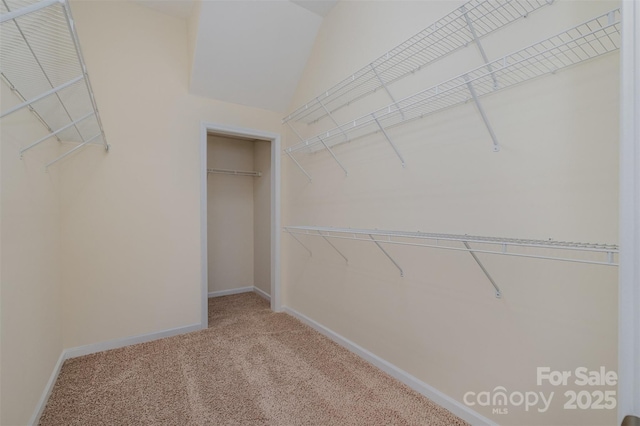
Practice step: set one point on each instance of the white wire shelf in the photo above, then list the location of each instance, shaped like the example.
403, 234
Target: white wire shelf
588, 253
466, 24
41, 61
581, 43
235, 172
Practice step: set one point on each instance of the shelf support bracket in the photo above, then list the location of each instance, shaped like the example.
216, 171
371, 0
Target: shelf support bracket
52, 134
493, 283
298, 164
334, 247
26, 10
472, 90
41, 96
476, 39
23, 99
293, 129
71, 151
387, 254
332, 119
299, 242
334, 156
386, 88
384, 132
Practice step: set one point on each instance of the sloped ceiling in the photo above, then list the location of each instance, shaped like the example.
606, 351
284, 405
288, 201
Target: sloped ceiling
248, 52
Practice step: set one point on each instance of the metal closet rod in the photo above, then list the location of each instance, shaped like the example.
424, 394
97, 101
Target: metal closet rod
235, 172
489, 245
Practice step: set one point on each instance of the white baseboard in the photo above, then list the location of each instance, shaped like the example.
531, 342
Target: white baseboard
259, 292
262, 293
42, 402
430, 392
127, 341
99, 347
230, 291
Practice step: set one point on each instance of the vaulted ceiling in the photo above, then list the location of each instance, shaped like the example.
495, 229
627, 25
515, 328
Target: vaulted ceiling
246, 51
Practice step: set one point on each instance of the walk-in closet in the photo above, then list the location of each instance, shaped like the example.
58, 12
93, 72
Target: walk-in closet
320, 212
238, 215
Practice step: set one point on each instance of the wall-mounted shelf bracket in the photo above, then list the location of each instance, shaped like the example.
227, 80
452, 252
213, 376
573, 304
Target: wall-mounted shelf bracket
299, 242
52, 134
388, 255
476, 39
386, 89
41, 96
334, 156
23, 99
493, 283
286, 151
393, 145
445, 36
346, 137
586, 253
58, 92
334, 247
71, 151
293, 129
472, 91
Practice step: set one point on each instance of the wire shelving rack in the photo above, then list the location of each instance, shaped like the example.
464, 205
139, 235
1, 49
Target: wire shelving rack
605, 254
466, 24
581, 43
41, 62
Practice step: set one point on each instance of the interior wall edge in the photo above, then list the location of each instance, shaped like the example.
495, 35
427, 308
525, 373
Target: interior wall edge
46, 393
262, 294
417, 385
629, 278
93, 348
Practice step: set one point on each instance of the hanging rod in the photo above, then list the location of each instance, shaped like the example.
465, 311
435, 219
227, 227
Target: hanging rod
43, 65
461, 27
517, 247
583, 42
235, 172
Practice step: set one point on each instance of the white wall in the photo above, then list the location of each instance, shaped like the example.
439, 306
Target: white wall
230, 211
555, 177
262, 216
30, 243
131, 228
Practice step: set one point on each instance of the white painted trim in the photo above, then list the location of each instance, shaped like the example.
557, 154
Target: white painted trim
204, 256
262, 293
127, 341
274, 138
95, 348
229, 292
629, 272
44, 398
430, 392
276, 155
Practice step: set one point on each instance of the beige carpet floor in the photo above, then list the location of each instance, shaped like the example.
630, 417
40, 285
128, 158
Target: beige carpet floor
250, 367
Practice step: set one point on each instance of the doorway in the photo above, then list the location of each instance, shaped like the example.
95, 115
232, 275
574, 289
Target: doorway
240, 229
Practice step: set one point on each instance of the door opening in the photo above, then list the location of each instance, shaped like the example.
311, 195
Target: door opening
240, 213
